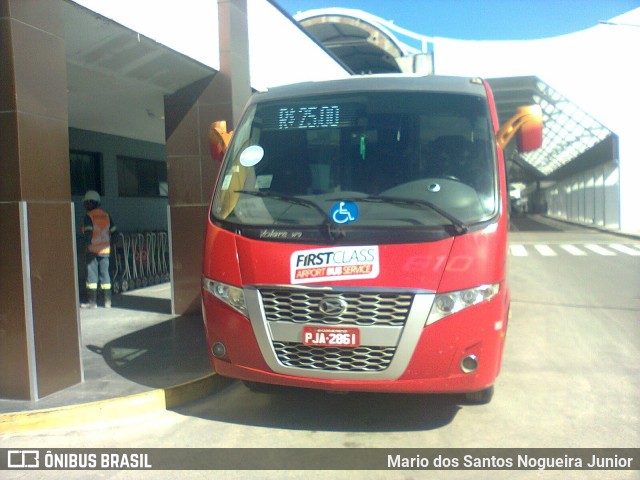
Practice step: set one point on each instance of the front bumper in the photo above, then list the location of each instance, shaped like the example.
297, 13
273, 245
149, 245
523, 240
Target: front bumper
427, 359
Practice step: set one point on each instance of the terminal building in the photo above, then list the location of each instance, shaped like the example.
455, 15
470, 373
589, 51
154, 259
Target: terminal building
119, 97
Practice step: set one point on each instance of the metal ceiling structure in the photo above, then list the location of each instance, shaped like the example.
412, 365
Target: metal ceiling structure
365, 43
117, 78
363, 47
569, 131
368, 44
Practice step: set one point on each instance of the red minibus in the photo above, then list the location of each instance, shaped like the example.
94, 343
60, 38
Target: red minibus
357, 237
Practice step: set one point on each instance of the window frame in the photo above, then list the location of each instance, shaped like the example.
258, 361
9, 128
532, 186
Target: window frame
96, 163
131, 169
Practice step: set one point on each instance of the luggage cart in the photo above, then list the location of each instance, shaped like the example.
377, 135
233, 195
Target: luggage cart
136, 280
117, 267
125, 277
140, 259
152, 255
163, 256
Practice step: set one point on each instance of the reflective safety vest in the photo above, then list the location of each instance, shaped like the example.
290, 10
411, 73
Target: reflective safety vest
101, 229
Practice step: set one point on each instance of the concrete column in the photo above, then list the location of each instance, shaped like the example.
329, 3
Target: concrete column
234, 86
39, 337
189, 114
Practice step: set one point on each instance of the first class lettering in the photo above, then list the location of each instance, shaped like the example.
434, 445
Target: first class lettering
317, 272
337, 257
336, 263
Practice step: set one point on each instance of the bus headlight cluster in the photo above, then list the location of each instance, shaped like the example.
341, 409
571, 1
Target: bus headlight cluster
449, 303
232, 296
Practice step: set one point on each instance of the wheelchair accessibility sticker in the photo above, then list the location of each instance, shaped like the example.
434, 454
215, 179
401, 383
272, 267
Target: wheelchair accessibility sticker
344, 212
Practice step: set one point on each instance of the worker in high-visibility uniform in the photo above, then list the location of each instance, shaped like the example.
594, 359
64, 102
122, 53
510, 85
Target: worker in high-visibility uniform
98, 226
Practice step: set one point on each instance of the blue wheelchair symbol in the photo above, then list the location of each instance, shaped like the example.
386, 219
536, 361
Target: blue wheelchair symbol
344, 212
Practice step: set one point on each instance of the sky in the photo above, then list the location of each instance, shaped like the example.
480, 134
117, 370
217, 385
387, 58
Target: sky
482, 19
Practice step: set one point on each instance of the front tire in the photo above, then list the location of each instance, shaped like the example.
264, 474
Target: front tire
480, 398
257, 387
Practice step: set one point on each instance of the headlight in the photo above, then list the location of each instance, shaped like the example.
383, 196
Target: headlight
232, 296
446, 304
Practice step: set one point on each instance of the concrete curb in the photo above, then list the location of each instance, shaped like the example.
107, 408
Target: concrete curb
620, 233
112, 409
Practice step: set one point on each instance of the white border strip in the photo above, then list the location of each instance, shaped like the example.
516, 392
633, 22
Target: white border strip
28, 300
170, 247
77, 287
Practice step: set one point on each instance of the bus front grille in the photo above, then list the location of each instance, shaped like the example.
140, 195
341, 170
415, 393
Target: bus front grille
359, 359
363, 308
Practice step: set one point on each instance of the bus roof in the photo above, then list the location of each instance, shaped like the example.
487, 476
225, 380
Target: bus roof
378, 83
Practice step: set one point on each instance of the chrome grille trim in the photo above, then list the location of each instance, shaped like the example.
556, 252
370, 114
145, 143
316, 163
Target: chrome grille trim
364, 308
359, 359
401, 338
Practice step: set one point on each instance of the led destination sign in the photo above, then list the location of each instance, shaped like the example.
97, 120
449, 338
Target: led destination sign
317, 116
308, 116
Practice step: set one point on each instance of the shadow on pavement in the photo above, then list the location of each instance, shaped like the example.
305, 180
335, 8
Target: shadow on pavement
164, 354
142, 303
526, 223
315, 410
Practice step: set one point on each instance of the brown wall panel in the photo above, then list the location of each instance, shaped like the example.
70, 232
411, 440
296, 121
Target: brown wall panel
9, 160
44, 15
53, 287
14, 369
208, 178
184, 139
184, 180
187, 237
39, 51
216, 103
39, 344
217, 94
192, 173
7, 99
234, 52
178, 104
44, 158
35, 164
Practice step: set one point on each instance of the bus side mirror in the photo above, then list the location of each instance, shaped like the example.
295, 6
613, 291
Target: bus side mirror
218, 140
527, 125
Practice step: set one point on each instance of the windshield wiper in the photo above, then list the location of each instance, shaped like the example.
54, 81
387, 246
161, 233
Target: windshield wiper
459, 226
285, 198
334, 233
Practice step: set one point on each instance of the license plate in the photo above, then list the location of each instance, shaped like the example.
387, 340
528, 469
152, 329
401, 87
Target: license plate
331, 336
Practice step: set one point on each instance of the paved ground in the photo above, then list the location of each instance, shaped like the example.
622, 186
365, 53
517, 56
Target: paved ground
570, 377
133, 353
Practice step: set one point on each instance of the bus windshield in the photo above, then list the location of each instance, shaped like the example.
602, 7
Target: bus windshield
406, 159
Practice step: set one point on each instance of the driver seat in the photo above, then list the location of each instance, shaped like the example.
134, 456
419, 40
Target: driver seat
448, 154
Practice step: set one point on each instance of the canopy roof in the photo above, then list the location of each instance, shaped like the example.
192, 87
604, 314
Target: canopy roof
569, 131
369, 44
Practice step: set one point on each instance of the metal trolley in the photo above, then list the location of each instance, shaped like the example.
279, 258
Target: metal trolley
141, 259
